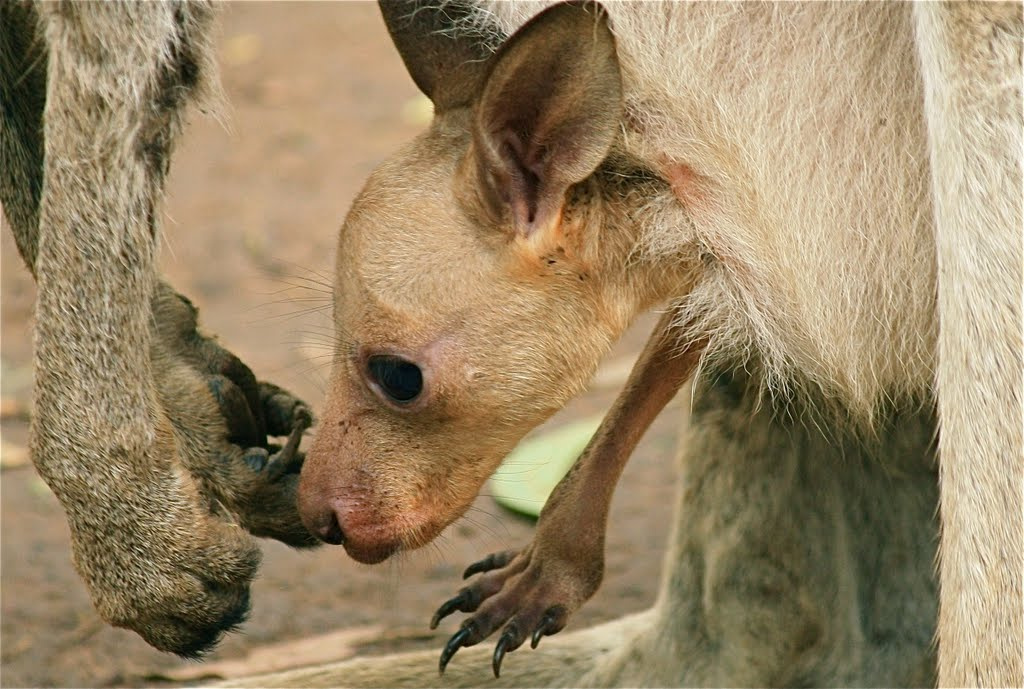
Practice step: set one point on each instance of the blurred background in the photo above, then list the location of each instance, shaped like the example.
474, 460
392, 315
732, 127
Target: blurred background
317, 97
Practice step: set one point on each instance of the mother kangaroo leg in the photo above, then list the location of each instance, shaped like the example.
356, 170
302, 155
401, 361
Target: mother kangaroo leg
151, 435
972, 55
797, 559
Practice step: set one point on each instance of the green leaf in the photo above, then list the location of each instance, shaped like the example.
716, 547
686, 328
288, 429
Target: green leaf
531, 471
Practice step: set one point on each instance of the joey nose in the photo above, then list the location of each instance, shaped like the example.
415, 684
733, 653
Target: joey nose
331, 532
346, 519
325, 527
321, 520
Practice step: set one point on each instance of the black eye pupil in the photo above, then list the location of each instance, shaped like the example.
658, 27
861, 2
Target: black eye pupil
399, 379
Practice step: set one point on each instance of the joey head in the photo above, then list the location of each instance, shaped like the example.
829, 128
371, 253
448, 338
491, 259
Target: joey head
469, 297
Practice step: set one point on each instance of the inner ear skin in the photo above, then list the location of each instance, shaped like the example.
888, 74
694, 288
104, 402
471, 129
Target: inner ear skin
548, 114
517, 180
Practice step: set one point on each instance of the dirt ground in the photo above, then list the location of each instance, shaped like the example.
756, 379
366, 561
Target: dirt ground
317, 97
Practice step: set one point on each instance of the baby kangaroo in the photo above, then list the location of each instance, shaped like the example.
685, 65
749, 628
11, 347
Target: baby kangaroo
766, 171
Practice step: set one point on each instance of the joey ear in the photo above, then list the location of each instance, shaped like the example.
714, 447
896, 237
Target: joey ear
548, 114
444, 56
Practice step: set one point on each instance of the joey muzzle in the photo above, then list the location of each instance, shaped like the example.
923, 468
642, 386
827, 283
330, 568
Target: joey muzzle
341, 514
343, 520
343, 500
353, 507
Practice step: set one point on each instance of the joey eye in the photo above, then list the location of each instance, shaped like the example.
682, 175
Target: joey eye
397, 378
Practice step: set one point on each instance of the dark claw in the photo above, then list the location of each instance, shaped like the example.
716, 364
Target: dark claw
454, 644
278, 467
547, 623
303, 418
463, 600
507, 638
282, 411
235, 370
492, 561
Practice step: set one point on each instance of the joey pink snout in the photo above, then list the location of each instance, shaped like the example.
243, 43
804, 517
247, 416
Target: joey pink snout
335, 501
319, 517
370, 492
347, 521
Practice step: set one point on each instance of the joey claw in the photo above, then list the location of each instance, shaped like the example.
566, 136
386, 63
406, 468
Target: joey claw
282, 410
508, 642
552, 622
282, 464
492, 561
303, 417
463, 601
243, 428
457, 641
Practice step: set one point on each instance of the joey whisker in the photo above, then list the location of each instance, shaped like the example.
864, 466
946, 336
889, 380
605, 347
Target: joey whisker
303, 272
435, 549
325, 337
322, 333
310, 370
279, 319
495, 497
516, 470
327, 351
491, 516
291, 300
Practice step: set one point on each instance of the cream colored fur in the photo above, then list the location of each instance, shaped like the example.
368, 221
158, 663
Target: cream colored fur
850, 176
817, 209
971, 58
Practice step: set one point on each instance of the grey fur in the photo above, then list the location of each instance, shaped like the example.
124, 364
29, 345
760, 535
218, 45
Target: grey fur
141, 421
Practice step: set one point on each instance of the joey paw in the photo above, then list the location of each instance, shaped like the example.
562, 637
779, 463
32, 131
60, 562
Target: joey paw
531, 595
